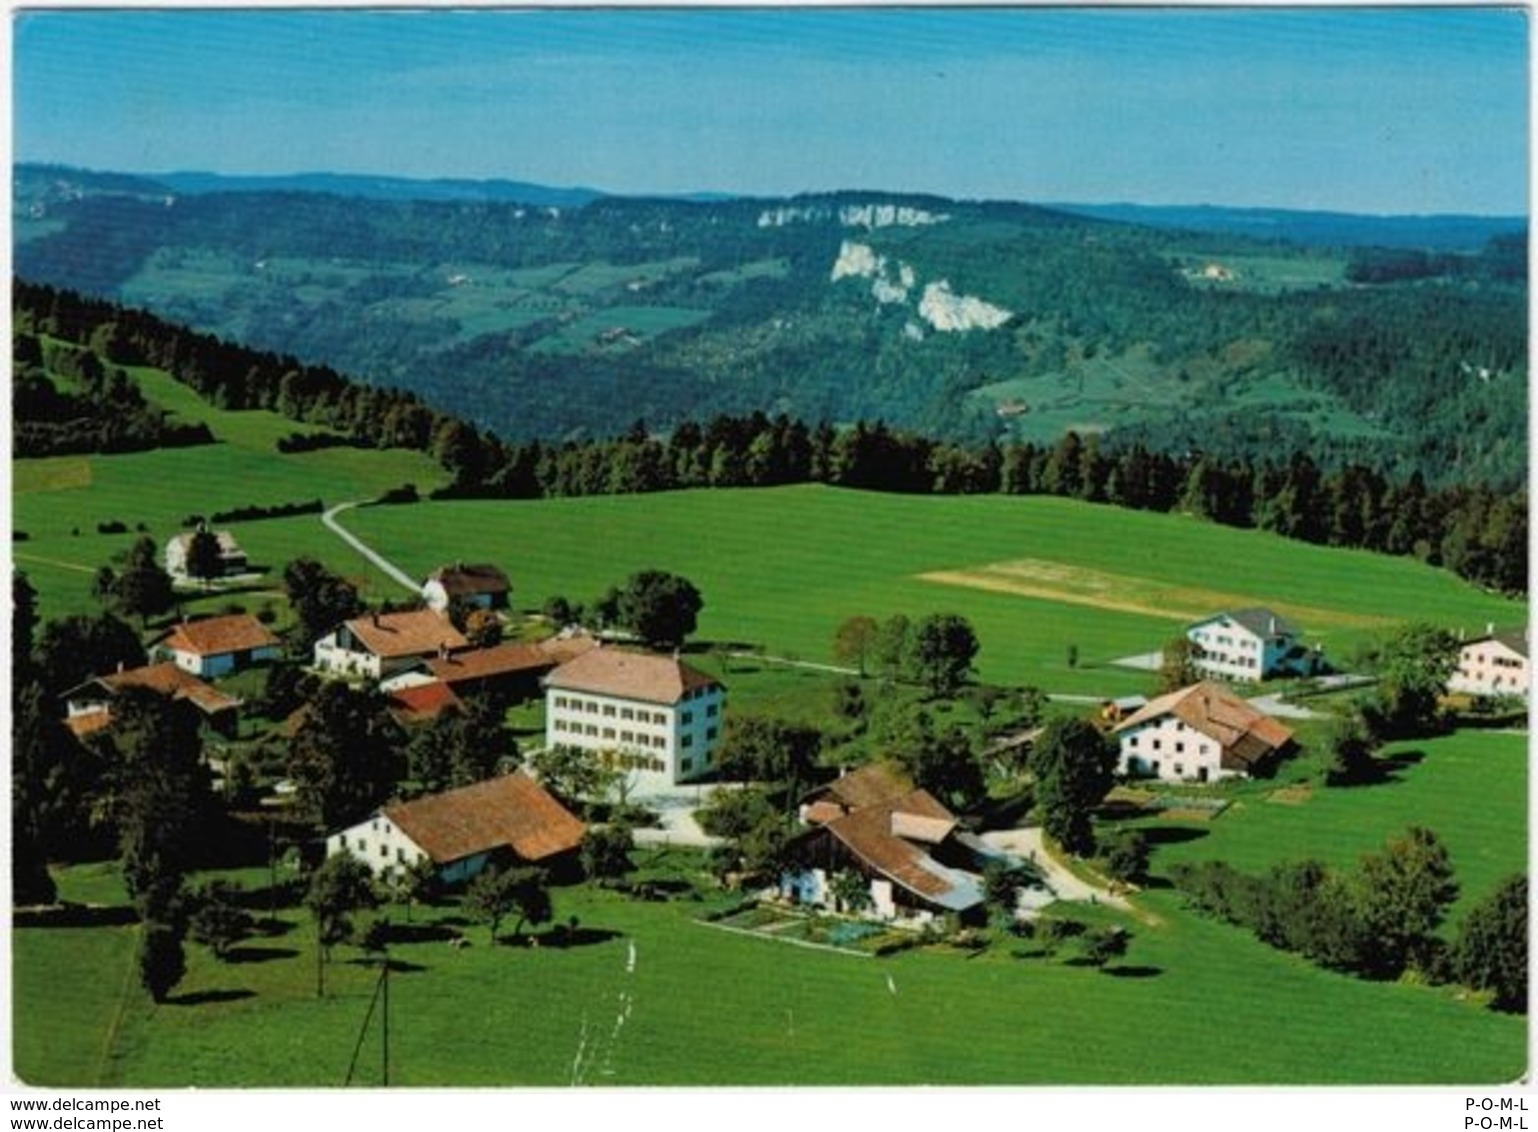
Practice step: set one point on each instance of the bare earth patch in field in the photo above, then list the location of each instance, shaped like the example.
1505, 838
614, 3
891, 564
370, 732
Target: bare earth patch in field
1126, 593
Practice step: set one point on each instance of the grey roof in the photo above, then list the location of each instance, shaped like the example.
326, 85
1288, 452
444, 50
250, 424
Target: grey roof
1257, 619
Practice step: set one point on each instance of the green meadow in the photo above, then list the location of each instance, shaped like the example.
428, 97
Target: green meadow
654, 997
783, 567
59, 501
650, 996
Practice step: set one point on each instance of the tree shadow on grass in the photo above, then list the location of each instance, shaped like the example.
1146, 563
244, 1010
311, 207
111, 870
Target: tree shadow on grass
1384, 770
76, 916
244, 954
1133, 971
397, 966
204, 998
562, 937
421, 933
1157, 835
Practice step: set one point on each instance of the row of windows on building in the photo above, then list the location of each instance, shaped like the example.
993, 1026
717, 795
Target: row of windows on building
592, 730
1157, 744
1223, 640
612, 734
611, 711
362, 847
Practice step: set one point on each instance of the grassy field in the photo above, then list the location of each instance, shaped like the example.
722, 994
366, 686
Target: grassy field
58, 501
1470, 789
652, 997
782, 568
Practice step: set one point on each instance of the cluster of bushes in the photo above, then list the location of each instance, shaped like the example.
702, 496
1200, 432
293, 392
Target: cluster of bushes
1377, 921
252, 511
314, 442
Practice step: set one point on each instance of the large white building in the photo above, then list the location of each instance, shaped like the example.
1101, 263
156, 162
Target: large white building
1493, 665
1199, 734
655, 714
1248, 645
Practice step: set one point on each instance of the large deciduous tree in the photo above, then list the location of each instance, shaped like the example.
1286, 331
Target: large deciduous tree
1413, 668
460, 748
495, 893
320, 599
204, 560
345, 755
660, 608
160, 798
1405, 891
341, 886
1491, 949
944, 646
576, 776
770, 750
143, 589
1073, 764
74, 648
854, 641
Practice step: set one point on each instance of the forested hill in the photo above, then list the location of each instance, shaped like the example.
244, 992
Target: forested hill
966, 320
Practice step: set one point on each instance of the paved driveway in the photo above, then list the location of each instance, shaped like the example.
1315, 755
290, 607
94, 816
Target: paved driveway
1061, 884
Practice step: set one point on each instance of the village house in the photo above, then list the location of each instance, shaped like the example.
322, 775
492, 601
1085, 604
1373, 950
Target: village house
910, 849
1248, 645
509, 820
1495, 664
657, 715
88, 705
232, 559
217, 646
377, 645
477, 586
511, 670
1202, 733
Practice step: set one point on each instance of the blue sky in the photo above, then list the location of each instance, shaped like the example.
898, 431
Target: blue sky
1389, 110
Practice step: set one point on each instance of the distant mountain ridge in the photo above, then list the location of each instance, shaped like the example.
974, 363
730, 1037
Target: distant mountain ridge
1434, 232
1456, 232
966, 320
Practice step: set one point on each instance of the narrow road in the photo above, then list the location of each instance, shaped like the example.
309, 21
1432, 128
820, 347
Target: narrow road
392, 571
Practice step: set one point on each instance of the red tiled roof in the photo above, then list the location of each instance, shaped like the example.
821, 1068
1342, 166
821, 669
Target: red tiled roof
506, 659
421, 702
630, 675
415, 632
88, 723
869, 785
869, 834
567, 646
512, 811
212, 636
1245, 734
166, 679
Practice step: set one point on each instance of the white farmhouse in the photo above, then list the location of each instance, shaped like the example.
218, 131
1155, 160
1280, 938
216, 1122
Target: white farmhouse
1495, 664
659, 716
1248, 645
1199, 734
511, 819
377, 645
479, 585
232, 559
217, 646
